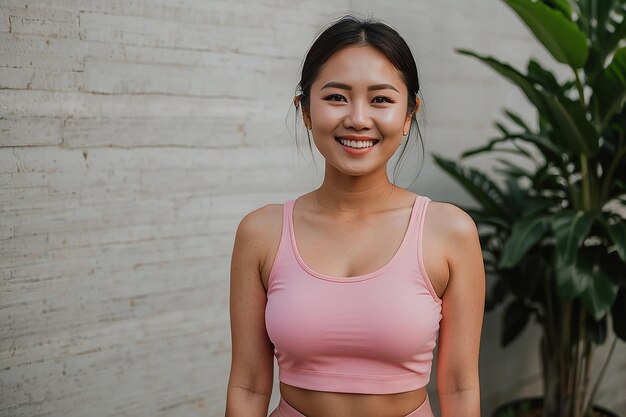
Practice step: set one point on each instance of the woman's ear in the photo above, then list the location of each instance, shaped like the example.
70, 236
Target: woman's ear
307, 118
409, 117
407, 124
297, 102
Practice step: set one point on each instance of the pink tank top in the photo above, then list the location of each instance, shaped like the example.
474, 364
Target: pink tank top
372, 334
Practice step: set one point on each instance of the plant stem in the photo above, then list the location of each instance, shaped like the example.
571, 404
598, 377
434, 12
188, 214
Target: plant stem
579, 86
584, 161
577, 402
586, 183
589, 355
551, 319
596, 386
608, 178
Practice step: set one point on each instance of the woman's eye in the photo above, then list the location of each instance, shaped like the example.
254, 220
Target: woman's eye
382, 99
335, 97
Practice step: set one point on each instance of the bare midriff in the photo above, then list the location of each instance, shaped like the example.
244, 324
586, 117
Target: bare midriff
324, 404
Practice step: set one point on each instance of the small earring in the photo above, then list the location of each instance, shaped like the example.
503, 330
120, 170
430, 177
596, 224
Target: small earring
403, 133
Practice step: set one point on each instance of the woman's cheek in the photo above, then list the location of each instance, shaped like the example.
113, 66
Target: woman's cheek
390, 121
326, 117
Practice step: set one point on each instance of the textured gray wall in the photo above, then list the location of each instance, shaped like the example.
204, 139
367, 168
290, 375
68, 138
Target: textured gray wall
135, 135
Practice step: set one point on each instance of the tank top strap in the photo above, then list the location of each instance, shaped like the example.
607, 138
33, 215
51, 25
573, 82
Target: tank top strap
418, 242
287, 218
415, 223
285, 245
420, 214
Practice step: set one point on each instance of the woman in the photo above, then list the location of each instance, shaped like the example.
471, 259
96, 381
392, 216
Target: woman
350, 285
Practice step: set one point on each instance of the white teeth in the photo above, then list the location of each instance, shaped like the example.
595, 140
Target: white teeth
356, 143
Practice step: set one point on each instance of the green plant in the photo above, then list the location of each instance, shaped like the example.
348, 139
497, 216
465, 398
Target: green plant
553, 230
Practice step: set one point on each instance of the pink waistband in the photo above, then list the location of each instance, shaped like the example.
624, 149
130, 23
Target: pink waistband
286, 410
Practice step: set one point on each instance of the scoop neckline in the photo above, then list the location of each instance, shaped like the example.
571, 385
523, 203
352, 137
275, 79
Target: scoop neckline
355, 278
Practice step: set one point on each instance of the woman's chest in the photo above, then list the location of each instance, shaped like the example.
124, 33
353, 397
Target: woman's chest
392, 313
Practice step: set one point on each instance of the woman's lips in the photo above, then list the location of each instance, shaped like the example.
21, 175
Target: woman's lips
352, 143
356, 145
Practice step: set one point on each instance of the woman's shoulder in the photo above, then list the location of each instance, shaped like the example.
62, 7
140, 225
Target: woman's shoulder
260, 232
261, 221
268, 218
452, 234
450, 217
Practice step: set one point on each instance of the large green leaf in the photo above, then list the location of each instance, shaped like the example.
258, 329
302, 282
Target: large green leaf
562, 5
610, 87
524, 235
548, 149
600, 294
595, 63
560, 36
543, 77
616, 229
507, 71
570, 230
485, 191
604, 34
569, 119
573, 132
572, 278
587, 279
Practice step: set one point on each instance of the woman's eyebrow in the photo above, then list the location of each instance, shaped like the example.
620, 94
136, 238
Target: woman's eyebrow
342, 86
382, 87
334, 84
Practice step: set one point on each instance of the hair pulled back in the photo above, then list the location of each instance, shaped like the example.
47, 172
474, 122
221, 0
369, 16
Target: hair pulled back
351, 31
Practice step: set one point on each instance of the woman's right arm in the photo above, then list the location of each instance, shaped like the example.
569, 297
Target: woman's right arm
252, 366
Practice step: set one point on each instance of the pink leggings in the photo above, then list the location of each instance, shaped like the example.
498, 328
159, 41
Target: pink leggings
286, 410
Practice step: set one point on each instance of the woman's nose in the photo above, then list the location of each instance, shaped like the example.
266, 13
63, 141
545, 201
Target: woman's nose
358, 117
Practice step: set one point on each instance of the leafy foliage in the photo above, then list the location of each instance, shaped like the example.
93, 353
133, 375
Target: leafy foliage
554, 234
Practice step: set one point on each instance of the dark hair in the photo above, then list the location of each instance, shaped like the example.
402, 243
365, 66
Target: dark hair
353, 31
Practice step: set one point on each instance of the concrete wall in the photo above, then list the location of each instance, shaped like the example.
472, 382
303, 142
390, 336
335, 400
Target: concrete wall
135, 135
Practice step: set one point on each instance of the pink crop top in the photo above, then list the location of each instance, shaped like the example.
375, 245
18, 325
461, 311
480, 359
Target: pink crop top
371, 334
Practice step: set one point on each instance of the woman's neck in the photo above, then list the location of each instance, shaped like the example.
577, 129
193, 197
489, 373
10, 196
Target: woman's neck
354, 194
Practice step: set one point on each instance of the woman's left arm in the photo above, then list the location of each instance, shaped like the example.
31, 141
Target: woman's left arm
462, 316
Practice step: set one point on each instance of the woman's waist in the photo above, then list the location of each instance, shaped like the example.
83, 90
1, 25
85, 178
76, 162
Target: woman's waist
313, 403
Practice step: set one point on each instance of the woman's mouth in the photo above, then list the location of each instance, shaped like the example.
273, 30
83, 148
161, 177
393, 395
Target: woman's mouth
357, 143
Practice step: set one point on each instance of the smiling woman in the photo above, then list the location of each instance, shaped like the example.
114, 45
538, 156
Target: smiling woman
367, 114
352, 285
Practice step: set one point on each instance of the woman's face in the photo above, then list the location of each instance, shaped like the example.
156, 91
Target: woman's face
358, 110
